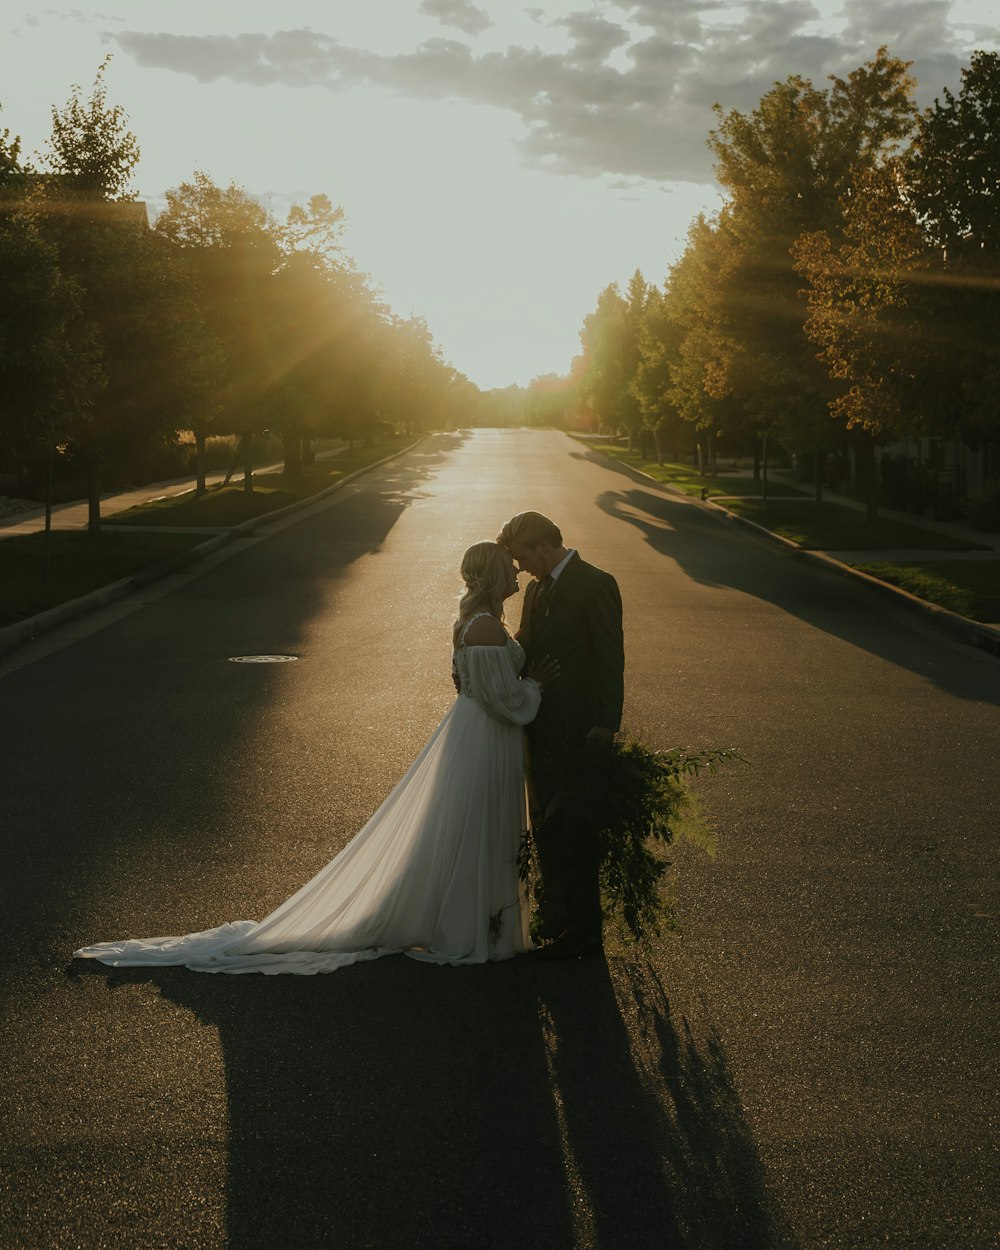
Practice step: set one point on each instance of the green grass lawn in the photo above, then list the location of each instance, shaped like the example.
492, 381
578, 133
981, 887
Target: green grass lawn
835, 528
230, 505
686, 477
78, 565
789, 512
970, 587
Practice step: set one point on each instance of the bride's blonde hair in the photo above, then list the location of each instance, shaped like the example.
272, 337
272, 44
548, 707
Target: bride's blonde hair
484, 571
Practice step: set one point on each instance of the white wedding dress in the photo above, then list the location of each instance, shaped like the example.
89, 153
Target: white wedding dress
432, 875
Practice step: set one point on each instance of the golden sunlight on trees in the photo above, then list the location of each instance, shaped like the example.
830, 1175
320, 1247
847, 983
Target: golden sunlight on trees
119, 342
844, 295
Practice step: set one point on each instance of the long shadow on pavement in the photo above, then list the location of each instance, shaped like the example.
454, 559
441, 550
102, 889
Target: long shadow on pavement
663, 1153
395, 1104
155, 702
712, 556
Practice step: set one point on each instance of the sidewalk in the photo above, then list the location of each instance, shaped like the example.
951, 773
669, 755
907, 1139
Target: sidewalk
984, 634
843, 563
73, 515
961, 533
30, 627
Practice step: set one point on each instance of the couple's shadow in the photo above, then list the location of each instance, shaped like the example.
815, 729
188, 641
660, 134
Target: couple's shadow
399, 1104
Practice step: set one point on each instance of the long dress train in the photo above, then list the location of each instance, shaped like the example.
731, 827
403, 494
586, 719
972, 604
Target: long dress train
433, 874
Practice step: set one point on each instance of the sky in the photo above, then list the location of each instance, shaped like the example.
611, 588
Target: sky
498, 164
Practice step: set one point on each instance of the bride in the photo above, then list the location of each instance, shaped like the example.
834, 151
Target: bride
433, 874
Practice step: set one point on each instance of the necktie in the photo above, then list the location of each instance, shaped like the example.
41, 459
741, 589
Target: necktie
544, 595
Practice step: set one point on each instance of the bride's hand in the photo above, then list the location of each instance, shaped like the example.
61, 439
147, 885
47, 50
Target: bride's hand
544, 671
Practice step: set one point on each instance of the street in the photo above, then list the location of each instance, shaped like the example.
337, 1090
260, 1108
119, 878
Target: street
809, 1062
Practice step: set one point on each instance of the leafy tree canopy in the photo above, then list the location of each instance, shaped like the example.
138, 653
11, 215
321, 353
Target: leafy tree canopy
92, 144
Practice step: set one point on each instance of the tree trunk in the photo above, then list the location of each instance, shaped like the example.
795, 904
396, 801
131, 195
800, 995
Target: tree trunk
308, 451
292, 470
869, 481
818, 476
700, 457
763, 472
93, 496
658, 443
199, 463
247, 462
47, 541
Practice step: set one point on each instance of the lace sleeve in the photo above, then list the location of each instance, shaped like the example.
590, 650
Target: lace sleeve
496, 687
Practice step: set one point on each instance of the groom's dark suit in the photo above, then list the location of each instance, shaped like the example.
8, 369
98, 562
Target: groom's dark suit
577, 621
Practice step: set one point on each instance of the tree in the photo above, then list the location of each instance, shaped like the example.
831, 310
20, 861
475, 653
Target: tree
125, 285
550, 401
953, 184
459, 402
316, 227
653, 383
39, 354
91, 145
637, 298
414, 376
327, 335
860, 311
602, 374
788, 168
232, 251
713, 382
905, 307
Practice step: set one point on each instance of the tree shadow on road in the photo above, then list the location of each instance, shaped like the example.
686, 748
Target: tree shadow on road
397, 1104
179, 710
713, 554
654, 1127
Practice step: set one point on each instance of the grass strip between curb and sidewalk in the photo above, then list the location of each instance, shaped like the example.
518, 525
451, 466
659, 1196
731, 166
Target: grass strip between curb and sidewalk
79, 563
791, 514
832, 527
224, 506
968, 587
963, 596
686, 478
83, 565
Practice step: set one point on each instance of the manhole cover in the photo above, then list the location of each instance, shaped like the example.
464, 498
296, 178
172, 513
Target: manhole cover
262, 659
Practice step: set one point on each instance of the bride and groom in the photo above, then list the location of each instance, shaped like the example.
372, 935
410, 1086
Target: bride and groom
434, 873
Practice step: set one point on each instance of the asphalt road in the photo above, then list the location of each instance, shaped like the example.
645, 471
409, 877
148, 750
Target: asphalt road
810, 1062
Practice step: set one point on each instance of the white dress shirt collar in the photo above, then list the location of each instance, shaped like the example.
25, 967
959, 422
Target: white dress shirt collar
562, 564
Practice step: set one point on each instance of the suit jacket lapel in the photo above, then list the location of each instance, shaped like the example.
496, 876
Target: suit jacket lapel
562, 583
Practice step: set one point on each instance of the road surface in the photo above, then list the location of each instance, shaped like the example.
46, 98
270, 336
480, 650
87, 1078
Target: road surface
810, 1062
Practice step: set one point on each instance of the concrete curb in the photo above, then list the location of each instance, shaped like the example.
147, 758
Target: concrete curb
960, 627
974, 633
31, 627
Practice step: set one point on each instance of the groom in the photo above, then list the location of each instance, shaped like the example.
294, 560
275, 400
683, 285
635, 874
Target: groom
572, 613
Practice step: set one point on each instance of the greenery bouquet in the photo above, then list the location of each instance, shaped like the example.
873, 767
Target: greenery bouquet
638, 802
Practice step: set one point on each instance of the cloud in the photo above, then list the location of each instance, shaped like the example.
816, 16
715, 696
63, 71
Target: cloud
644, 114
78, 15
462, 14
594, 37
